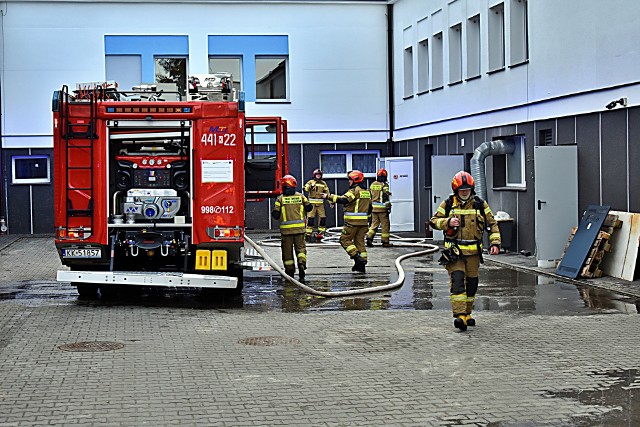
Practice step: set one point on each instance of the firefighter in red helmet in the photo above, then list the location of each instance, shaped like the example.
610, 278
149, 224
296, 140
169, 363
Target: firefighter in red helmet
290, 208
381, 202
315, 188
357, 208
464, 217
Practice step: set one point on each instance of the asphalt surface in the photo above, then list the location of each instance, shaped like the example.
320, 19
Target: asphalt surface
544, 352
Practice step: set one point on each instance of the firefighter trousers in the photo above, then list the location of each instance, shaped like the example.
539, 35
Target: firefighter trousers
288, 243
463, 278
352, 240
379, 219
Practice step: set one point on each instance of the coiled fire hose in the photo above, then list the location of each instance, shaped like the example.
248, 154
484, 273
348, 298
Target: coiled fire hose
305, 288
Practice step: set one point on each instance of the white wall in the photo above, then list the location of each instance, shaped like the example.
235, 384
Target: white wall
582, 54
337, 54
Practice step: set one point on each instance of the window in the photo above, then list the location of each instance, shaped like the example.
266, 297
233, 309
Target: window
437, 61
30, 170
408, 72
218, 64
473, 47
271, 78
172, 70
519, 42
423, 65
509, 169
455, 54
126, 70
496, 37
336, 164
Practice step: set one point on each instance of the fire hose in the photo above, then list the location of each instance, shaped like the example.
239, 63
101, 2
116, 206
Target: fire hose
401, 276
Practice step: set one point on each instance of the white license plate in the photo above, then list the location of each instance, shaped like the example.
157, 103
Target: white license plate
81, 253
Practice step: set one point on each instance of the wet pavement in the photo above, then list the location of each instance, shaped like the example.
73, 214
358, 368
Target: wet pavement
546, 351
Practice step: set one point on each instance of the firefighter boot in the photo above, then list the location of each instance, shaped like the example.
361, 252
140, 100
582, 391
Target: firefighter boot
470, 321
301, 272
359, 264
370, 242
460, 322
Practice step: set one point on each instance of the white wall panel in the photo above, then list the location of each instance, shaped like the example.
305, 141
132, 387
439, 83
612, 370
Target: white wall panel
337, 53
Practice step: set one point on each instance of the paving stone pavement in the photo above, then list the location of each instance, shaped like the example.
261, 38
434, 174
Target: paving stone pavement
185, 366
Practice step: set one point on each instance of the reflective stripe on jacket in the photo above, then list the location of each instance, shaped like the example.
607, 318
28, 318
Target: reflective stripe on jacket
315, 188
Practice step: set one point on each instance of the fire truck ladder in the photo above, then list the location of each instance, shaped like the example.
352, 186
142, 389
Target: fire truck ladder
79, 137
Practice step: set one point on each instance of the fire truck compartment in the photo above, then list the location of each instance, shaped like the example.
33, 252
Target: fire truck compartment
146, 278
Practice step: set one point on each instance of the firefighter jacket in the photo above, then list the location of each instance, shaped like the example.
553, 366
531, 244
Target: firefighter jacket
315, 188
357, 205
475, 217
380, 196
290, 210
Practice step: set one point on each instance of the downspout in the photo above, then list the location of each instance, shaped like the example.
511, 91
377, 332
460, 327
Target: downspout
392, 113
3, 172
488, 148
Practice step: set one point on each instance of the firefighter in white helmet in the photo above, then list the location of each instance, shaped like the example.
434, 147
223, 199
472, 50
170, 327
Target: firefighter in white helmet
315, 188
464, 217
380, 199
290, 209
357, 208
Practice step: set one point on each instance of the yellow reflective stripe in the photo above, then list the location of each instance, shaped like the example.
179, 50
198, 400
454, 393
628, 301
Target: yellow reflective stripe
356, 208
350, 247
302, 212
363, 255
379, 204
292, 224
289, 262
302, 256
494, 236
316, 201
356, 215
487, 210
350, 196
469, 247
465, 211
470, 299
458, 297
386, 234
441, 210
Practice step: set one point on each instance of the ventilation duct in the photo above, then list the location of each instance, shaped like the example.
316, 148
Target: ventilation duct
486, 149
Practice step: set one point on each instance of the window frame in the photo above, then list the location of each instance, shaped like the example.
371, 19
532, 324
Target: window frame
236, 78
287, 97
501, 180
183, 92
348, 162
22, 181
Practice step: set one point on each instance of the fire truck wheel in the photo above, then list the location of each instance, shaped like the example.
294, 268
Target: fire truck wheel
87, 290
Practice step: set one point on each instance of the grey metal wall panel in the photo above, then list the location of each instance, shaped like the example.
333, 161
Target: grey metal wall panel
634, 160
614, 159
566, 131
524, 236
588, 138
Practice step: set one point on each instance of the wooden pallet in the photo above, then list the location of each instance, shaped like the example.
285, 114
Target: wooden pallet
601, 246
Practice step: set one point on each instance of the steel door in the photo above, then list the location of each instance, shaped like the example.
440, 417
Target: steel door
556, 200
400, 170
443, 168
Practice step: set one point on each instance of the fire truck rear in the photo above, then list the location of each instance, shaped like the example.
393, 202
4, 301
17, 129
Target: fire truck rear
150, 189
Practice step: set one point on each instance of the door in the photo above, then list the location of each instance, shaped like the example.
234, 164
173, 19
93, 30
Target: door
556, 200
400, 170
443, 168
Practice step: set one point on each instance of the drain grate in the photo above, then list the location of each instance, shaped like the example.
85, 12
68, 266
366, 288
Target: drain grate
267, 341
91, 346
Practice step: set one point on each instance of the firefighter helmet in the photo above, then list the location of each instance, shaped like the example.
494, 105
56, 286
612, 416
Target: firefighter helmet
316, 172
382, 173
356, 176
289, 181
461, 181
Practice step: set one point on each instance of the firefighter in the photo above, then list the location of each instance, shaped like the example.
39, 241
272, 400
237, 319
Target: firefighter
381, 209
315, 188
464, 217
357, 208
290, 208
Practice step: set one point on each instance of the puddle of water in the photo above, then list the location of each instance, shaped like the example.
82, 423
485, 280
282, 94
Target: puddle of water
425, 288
619, 393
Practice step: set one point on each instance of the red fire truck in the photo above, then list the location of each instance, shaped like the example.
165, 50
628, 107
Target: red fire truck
150, 189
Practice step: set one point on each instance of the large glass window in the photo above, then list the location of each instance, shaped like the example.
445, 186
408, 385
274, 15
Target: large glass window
30, 170
473, 47
509, 169
455, 54
219, 64
496, 37
437, 61
408, 72
172, 70
519, 42
336, 164
423, 66
271, 78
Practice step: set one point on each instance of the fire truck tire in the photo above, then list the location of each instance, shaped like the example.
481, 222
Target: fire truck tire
87, 290
108, 292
